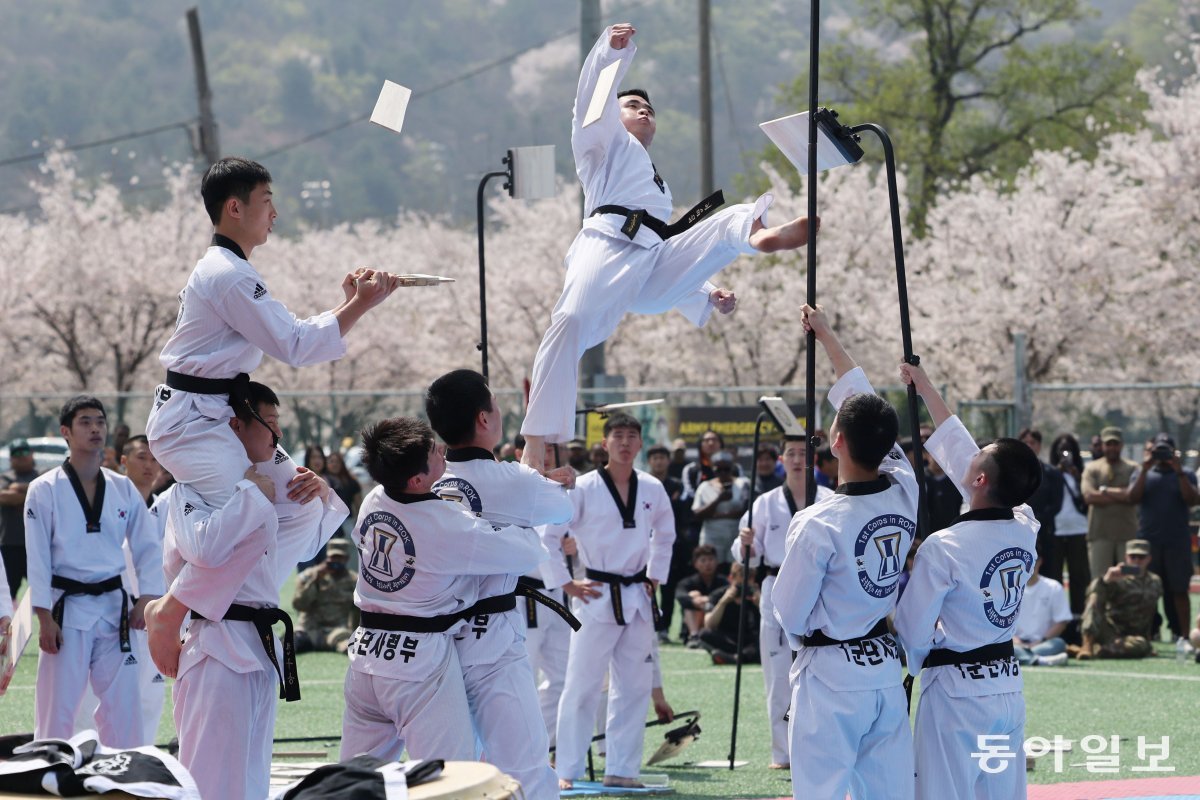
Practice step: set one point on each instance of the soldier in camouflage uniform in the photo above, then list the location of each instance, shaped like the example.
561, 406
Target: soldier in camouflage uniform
1120, 608
325, 599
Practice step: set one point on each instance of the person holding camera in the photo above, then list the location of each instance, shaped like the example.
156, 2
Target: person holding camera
719, 504
1069, 548
720, 634
1164, 492
1120, 608
325, 599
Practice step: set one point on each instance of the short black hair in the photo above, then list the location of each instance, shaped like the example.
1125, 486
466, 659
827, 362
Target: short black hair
452, 403
230, 177
260, 394
131, 441
395, 450
704, 550
1032, 433
769, 449
621, 420
1014, 472
870, 426
642, 93
76, 404
825, 454
658, 450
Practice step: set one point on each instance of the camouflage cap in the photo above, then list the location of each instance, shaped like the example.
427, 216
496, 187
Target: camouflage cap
1137, 547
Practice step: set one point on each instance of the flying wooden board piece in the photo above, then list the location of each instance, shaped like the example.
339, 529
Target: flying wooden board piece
418, 279
22, 632
604, 86
391, 105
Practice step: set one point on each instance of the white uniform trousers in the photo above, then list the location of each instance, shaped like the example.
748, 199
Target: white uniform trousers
850, 741
384, 715
776, 663
946, 734
205, 454
226, 724
547, 645
503, 697
151, 685
63, 677
607, 277
626, 651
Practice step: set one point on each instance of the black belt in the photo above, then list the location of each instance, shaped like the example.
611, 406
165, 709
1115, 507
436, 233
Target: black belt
71, 587
531, 617
818, 638
441, 623
980, 655
764, 570
263, 619
615, 582
528, 588
635, 218
237, 387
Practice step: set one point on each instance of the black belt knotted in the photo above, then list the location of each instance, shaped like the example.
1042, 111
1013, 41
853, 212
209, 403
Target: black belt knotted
237, 387
635, 218
441, 623
818, 638
615, 582
72, 587
528, 588
263, 619
764, 570
980, 655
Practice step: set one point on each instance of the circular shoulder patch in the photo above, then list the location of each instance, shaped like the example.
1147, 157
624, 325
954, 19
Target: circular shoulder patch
460, 491
879, 553
380, 565
1003, 585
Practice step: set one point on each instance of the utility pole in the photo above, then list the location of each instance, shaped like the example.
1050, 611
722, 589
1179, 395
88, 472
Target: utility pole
208, 145
590, 28
706, 138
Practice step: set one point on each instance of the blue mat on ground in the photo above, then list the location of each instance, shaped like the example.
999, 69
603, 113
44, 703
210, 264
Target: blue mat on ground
596, 789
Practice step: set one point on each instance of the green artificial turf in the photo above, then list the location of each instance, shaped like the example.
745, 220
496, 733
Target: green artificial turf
1153, 697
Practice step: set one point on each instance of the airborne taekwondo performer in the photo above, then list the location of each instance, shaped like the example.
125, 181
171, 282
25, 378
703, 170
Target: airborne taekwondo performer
626, 258
76, 518
836, 586
499, 680
227, 321
624, 528
767, 541
420, 562
956, 617
228, 668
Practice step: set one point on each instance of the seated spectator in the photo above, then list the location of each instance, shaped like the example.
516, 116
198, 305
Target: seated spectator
1044, 615
1194, 636
695, 589
719, 504
325, 599
1120, 608
720, 633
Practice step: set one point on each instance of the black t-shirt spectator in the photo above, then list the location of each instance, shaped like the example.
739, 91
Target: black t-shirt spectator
695, 582
728, 624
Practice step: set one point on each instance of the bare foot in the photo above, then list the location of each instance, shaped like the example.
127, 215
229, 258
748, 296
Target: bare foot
788, 236
624, 783
780, 766
164, 618
564, 784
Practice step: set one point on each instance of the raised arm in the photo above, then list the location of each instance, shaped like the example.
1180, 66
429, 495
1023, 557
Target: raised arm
814, 320
615, 44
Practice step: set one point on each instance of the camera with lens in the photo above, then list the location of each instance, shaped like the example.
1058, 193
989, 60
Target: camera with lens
1163, 452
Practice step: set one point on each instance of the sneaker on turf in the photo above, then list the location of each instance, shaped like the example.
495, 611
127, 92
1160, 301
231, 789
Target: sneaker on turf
1056, 660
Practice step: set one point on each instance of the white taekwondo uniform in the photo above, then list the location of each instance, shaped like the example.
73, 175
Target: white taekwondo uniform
225, 672
60, 545
609, 274
227, 321
497, 675
547, 640
773, 514
849, 719
419, 556
965, 593
6, 606
626, 542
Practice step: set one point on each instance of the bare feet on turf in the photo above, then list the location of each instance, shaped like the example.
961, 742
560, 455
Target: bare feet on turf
788, 236
780, 766
624, 783
564, 784
164, 618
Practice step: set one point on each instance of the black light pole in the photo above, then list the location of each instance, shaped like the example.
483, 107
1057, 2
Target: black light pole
507, 175
914, 419
810, 374
737, 679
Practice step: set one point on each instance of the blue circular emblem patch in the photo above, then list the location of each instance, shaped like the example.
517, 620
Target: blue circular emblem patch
879, 553
381, 565
1003, 585
460, 491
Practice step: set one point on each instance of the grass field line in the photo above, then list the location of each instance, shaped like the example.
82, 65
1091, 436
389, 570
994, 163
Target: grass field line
1113, 674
